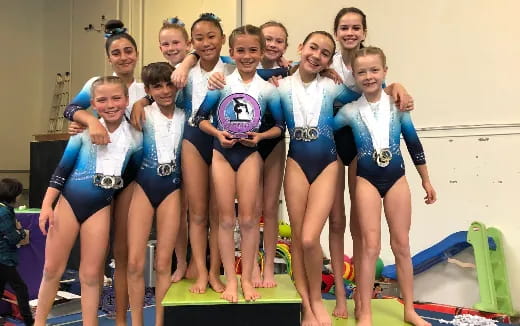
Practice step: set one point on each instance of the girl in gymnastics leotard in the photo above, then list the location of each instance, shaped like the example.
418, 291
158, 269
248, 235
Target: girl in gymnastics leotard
377, 125
272, 151
350, 27
157, 190
87, 177
174, 44
121, 50
197, 150
236, 164
311, 168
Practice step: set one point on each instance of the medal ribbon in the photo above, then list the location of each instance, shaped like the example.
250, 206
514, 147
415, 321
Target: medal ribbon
167, 132
110, 157
306, 101
379, 128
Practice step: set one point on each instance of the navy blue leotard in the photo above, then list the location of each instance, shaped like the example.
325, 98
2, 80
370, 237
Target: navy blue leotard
382, 178
314, 156
155, 186
190, 99
75, 173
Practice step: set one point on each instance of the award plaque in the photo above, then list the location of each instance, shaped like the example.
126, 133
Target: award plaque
238, 114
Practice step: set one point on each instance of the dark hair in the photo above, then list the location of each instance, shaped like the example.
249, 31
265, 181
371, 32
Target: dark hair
351, 10
208, 17
273, 23
115, 30
175, 23
9, 190
369, 50
155, 73
108, 80
324, 34
247, 30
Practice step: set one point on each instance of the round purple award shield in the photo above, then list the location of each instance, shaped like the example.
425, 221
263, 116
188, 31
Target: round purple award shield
238, 114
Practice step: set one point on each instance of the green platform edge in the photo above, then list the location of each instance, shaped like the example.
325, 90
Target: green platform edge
493, 281
179, 295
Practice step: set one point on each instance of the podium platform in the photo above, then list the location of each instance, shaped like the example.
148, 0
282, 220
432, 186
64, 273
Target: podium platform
277, 306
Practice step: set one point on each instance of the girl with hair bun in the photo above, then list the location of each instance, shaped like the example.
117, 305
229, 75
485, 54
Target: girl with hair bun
122, 54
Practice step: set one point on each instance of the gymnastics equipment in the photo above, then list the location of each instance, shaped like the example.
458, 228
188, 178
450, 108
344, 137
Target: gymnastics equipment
60, 99
280, 305
488, 249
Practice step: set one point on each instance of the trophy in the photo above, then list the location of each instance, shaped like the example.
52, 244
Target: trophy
238, 114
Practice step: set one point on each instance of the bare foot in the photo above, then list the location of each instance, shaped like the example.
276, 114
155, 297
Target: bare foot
340, 310
180, 271
200, 284
231, 291
215, 283
410, 316
308, 318
257, 277
250, 294
268, 281
191, 271
321, 313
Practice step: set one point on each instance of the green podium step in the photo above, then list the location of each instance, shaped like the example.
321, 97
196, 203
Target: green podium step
277, 306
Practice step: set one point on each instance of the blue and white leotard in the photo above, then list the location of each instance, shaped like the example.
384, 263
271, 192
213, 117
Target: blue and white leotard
383, 178
190, 99
75, 173
264, 93
160, 134
315, 155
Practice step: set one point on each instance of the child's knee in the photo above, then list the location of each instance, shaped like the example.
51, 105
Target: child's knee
248, 222
52, 272
199, 220
310, 243
337, 225
89, 276
400, 248
135, 267
227, 222
163, 266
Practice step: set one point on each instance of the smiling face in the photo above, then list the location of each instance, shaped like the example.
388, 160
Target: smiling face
370, 73
207, 40
163, 93
110, 101
316, 53
247, 52
122, 55
173, 45
275, 42
350, 32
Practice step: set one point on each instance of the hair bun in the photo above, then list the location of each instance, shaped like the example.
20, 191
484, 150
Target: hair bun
173, 21
113, 27
210, 15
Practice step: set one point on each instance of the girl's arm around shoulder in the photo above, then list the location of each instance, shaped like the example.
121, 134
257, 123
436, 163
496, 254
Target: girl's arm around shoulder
342, 93
80, 102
